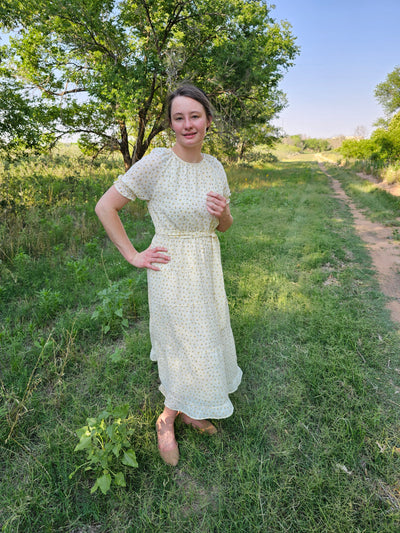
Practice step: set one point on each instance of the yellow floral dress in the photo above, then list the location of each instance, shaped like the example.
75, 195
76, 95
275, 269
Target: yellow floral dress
190, 329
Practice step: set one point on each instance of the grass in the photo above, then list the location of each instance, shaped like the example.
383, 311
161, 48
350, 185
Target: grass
377, 204
313, 443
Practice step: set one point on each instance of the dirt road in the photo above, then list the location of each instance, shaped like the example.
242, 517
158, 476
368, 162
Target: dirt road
384, 252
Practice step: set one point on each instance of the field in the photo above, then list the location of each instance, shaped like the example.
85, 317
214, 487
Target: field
314, 442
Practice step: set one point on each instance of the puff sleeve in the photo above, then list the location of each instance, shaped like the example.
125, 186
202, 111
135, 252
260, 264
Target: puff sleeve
141, 178
222, 175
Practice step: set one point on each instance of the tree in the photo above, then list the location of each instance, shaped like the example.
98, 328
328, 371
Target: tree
105, 66
357, 148
388, 92
384, 144
25, 124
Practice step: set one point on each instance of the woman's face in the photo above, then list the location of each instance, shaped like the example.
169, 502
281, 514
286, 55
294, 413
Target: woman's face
189, 122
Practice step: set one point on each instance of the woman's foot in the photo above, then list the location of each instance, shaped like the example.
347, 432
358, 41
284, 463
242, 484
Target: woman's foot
167, 445
204, 426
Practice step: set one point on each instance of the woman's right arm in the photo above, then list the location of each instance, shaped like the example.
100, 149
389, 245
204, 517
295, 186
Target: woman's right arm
107, 210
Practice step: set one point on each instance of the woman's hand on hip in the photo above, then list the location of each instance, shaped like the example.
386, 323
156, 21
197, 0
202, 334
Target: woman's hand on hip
152, 255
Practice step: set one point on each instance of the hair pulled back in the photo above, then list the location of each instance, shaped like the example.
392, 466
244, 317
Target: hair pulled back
190, 91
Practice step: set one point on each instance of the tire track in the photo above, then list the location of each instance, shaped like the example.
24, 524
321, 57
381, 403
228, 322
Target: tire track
384, 253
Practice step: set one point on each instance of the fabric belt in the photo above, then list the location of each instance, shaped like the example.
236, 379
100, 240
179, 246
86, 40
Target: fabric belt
188, 235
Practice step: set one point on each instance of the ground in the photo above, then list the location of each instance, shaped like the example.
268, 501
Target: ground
384, 253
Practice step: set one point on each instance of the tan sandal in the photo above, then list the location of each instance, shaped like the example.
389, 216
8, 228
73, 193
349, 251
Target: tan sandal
204, 426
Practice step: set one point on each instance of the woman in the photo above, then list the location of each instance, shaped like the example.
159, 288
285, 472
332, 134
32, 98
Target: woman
188, 198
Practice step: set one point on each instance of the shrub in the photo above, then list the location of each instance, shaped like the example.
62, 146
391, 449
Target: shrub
106, 441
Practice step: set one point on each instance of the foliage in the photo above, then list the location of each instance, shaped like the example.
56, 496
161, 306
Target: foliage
106, 441
388, 92
383, 145
116, 305
357, 148
312, 443
26, 124
308, 144
316, 145
106, 66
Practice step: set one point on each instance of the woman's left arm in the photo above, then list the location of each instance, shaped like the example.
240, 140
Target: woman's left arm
219, 208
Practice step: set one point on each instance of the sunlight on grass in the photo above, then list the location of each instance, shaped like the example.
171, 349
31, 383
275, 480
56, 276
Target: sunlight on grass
310, 445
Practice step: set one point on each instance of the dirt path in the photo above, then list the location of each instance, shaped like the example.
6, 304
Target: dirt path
384, 253
392, 188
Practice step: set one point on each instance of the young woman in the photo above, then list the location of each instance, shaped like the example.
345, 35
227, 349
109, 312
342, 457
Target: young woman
188, 199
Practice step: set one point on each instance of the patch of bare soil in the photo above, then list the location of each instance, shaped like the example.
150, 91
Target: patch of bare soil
392, 188
384, 252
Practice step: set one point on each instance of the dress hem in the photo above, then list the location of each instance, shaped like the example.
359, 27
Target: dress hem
216, 413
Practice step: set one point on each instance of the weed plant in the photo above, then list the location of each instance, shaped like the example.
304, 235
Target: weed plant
313, 444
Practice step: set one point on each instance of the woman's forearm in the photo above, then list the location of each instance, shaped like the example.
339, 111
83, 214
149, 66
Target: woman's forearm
115, 230
225, 222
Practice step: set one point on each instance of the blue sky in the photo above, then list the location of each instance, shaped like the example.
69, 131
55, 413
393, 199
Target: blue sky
347, 48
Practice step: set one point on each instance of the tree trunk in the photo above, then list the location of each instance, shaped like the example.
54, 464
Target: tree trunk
140, 148
242, 150
124, 146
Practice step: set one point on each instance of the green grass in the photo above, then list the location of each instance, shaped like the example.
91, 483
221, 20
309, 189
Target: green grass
311, 446
378, 205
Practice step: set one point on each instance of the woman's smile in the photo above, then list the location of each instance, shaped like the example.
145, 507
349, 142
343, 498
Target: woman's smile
189, 122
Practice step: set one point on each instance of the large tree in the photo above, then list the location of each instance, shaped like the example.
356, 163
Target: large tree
104, 67
388, 92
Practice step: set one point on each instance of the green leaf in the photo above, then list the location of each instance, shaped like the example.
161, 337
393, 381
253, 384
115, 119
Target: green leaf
82, 431
120, 479
119, 312
121, 411
83, 443
116, 449
129, 459
106, 329
94, 488
104, 483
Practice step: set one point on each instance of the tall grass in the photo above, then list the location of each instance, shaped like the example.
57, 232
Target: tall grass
313, 443
377, 204
387, 171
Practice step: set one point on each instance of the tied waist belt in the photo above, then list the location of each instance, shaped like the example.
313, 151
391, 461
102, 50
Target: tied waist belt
188, 235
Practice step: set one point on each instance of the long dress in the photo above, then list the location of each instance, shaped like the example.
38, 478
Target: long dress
190, 331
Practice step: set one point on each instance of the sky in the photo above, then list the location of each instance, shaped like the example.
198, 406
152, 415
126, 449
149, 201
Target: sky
347, 48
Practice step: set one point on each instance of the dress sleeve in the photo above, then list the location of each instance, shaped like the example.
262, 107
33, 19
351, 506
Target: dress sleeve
225, 186
227, 191
141, 178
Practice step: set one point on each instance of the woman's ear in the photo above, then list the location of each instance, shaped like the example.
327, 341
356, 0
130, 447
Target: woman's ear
208, 123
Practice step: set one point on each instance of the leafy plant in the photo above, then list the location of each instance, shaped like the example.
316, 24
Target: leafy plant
113, 309
106, 441
48, 303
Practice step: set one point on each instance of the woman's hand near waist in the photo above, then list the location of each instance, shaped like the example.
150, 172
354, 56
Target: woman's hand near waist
107, 209
147, 258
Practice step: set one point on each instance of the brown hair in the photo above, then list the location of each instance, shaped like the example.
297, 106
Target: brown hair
193, 92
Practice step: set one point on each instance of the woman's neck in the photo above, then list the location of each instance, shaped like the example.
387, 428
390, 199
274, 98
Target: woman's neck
191, 155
